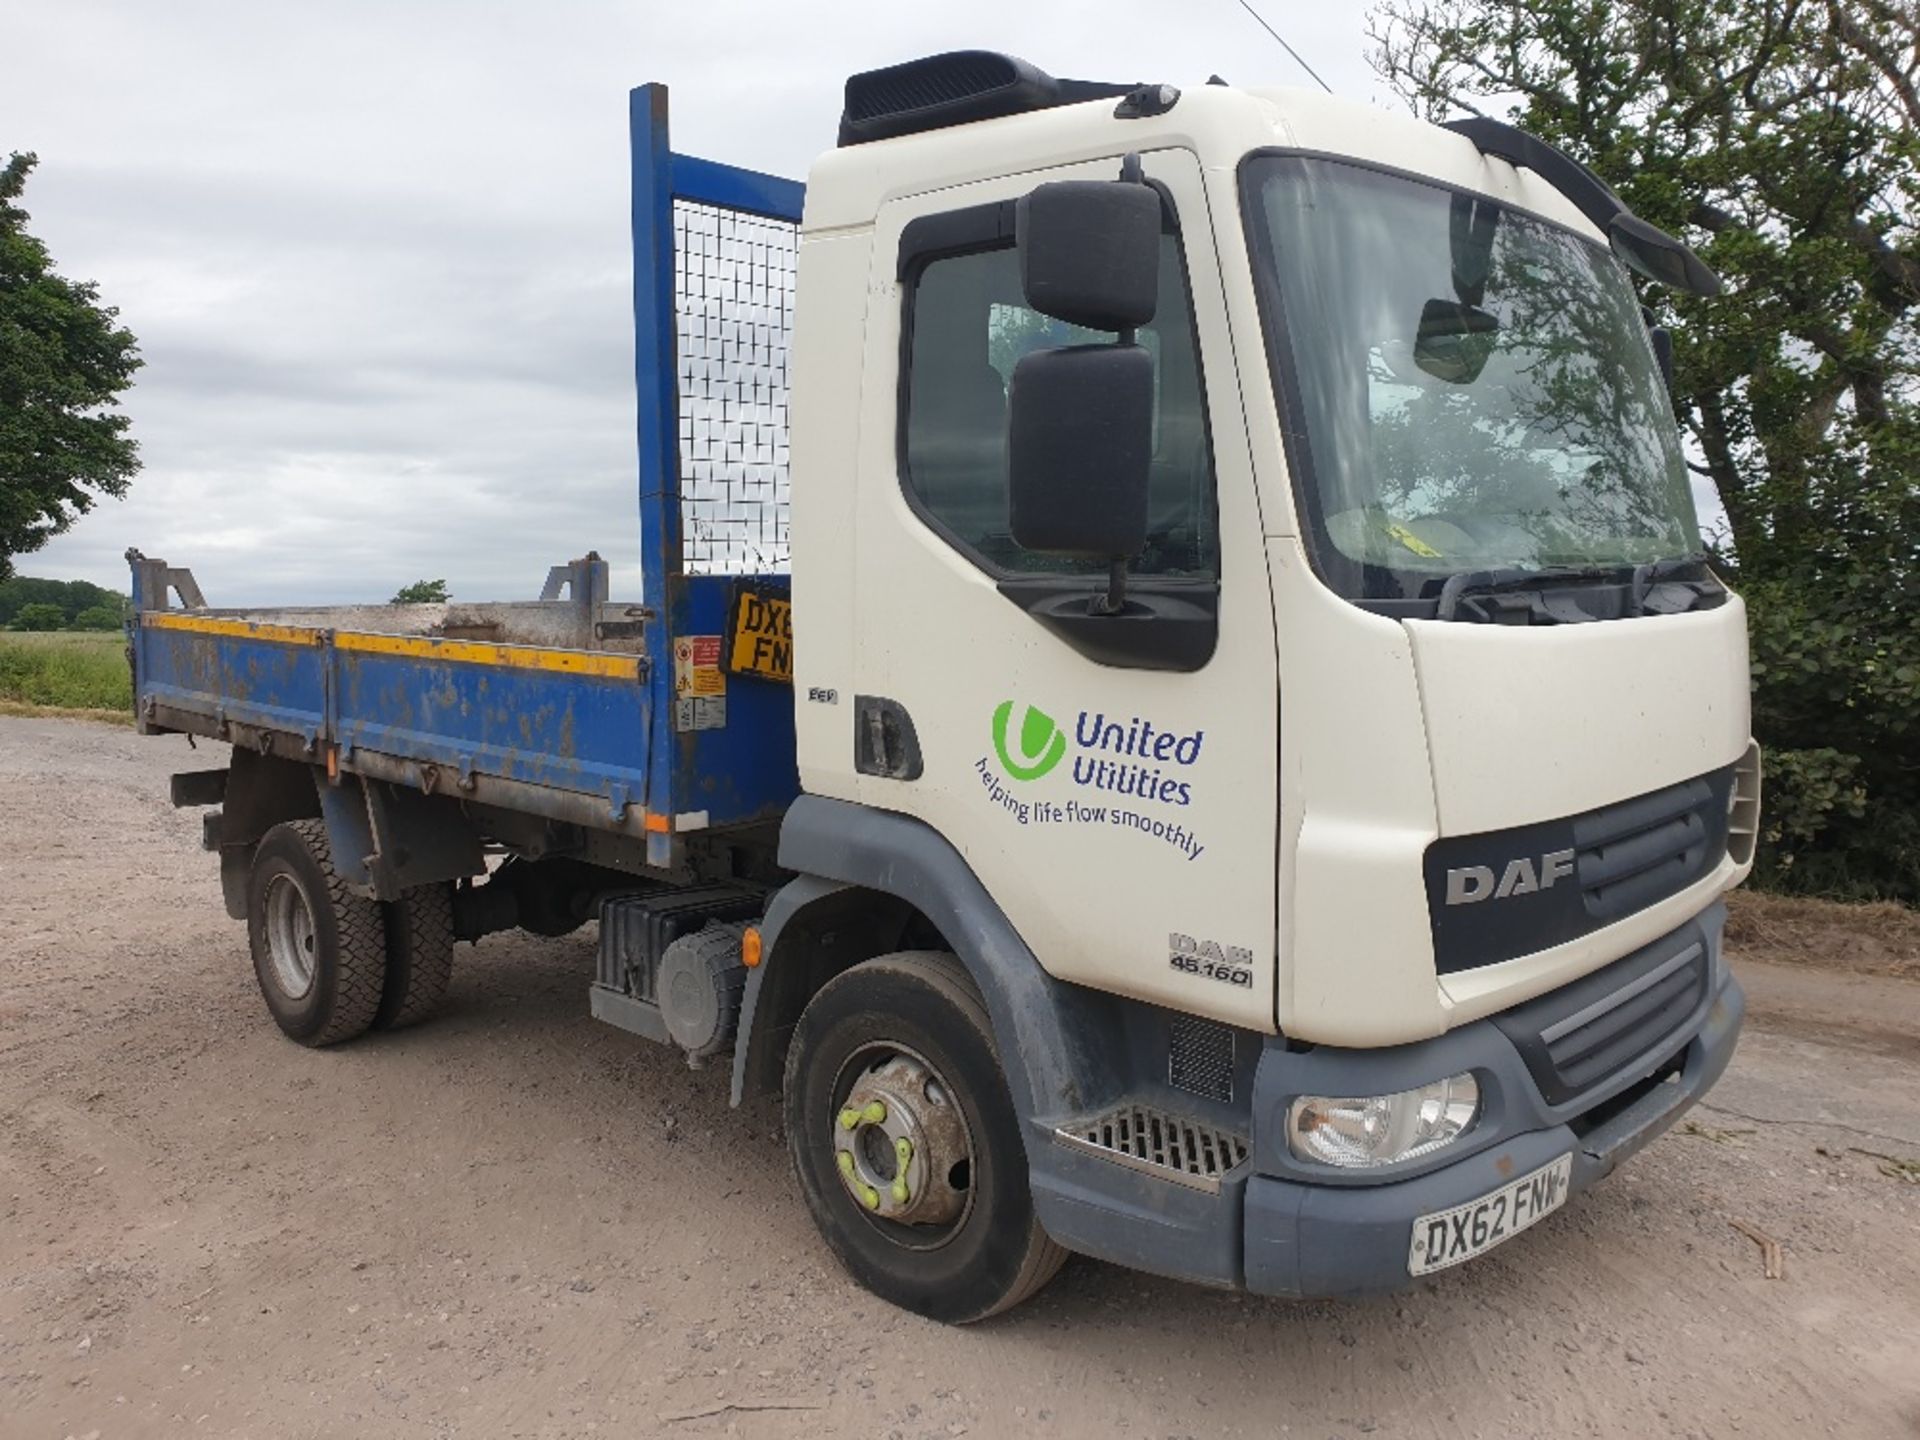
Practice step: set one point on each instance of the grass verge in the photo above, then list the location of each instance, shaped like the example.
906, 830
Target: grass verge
1878, 939
14, 709
69, 672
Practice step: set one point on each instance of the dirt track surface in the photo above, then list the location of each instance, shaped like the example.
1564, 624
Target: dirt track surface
518, 1222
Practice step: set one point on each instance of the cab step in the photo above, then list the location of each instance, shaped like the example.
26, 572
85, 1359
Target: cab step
1159, 1142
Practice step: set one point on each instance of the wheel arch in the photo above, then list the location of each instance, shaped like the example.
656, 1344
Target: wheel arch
260, 792
865, 876
386, 839
815, 929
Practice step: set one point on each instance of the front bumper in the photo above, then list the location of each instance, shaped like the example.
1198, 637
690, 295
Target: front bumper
1281, 1227
1306, 1239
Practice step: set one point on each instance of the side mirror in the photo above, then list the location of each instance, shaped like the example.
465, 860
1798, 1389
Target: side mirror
1090, 252
1650, 251
1080, 450
1454, 340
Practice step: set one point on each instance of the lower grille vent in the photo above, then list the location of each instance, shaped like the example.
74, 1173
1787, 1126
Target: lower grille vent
1592, 1043
1166, 1145
1200, 1058
1643, 1007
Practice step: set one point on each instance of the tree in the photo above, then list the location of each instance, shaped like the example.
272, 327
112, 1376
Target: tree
63, 360
1782, 139
39, 617
98, 617
71, 596
422, 592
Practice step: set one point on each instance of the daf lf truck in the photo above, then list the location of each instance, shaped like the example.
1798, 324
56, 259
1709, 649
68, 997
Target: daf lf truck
1176, 711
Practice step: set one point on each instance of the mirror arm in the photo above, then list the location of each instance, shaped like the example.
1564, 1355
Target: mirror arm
1114, 602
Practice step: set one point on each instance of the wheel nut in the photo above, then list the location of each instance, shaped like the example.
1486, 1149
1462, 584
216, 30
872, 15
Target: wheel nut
869, 1196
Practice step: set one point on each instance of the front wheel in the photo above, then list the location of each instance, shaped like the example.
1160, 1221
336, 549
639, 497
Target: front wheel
905, 1141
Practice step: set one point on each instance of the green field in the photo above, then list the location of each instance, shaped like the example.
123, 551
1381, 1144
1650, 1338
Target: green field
66, 671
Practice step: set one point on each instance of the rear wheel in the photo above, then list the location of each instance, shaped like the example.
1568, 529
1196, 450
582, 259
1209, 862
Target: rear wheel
905, 1141
319, 951
419, 956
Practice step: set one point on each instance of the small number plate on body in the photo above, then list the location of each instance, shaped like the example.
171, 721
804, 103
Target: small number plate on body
760, 636
1448, 1237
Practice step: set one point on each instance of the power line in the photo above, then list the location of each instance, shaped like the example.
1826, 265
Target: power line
1286, 47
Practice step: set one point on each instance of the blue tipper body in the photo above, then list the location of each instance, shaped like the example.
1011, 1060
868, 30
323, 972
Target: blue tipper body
596, 724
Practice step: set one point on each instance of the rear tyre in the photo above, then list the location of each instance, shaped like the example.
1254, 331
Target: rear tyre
419, 956
319, 951
905, 1142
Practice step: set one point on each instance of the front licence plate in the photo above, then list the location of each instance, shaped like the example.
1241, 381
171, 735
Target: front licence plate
1448, 1237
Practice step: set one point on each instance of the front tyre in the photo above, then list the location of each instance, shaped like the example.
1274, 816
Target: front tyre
905, 1141
319, 951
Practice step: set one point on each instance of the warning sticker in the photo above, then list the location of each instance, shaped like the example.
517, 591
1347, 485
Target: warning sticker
696, 666
700, 712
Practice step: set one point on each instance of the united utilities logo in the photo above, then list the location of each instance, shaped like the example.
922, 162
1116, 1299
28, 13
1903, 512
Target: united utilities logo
1130, 756
1042, 744
1114, 759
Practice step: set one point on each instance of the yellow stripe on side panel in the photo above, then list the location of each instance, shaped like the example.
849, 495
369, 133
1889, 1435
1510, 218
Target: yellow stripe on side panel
242, 629
474, 652
464, 652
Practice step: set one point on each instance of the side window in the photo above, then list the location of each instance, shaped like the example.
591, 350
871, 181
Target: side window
969, 327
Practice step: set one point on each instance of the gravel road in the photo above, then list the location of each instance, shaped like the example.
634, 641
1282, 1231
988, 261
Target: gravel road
518, 1222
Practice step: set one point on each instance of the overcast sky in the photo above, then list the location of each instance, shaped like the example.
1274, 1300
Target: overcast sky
376, 253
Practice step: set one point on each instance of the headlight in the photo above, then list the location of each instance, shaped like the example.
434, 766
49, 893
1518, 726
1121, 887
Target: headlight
1367, 1130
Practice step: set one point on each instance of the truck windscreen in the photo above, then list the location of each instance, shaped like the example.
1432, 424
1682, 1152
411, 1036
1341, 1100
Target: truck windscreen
1468, 387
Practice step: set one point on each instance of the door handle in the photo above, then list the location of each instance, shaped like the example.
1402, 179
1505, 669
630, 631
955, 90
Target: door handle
884, 740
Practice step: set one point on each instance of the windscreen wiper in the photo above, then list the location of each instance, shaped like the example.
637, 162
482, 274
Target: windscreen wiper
1511, 579
1514, 596
1657, 572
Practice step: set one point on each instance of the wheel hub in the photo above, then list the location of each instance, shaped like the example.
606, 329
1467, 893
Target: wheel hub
900, 1145
290, 936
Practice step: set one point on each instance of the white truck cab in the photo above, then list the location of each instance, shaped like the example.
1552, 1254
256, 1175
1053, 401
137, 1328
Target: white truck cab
1369, 852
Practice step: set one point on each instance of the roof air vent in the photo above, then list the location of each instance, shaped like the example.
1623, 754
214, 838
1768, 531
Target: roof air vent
954, 89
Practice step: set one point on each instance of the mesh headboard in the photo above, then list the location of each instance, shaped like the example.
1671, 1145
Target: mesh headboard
733, 318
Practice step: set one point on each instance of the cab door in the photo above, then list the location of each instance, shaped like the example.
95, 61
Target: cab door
1113, 788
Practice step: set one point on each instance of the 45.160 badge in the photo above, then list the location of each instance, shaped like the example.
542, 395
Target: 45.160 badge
1229, 964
